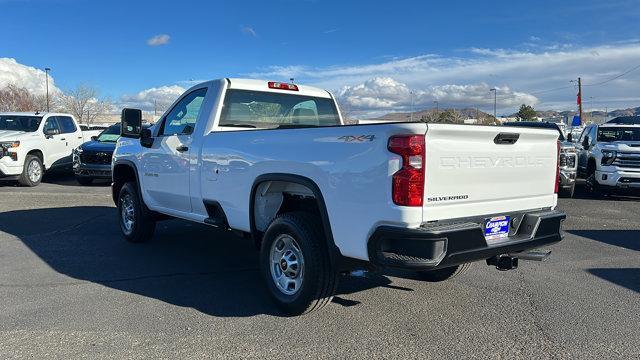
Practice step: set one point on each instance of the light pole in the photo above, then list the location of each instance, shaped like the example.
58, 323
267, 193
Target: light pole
411, 109
46, 74
437, 109
495, 96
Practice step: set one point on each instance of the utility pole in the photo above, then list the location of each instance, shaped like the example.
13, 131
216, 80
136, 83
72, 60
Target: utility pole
46, 73
495, 102
580, 100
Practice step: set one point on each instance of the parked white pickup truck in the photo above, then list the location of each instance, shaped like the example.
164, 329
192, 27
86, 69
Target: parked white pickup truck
31, 143
609, 156
274, 161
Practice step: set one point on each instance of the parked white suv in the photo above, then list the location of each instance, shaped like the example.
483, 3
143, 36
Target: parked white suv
609, 156
275, 162
31, 143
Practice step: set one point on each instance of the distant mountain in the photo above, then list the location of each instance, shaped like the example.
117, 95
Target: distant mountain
467, 113
470, 113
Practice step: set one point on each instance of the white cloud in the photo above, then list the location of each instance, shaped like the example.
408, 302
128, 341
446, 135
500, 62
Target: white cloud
159, 40
523, 73
387, 93
12, 72
249, 31
150, 99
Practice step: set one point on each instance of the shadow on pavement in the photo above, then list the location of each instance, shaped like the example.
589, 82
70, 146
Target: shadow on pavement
59, 177
625, 277
629, 239
186, 264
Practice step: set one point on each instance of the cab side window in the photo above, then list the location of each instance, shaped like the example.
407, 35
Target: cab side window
51, 124
181, 120
66, 124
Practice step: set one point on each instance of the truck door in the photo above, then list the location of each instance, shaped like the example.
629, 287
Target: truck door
165, 166
583, 152
72, 136
55, 146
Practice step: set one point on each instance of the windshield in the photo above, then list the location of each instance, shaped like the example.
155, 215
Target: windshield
256, 109
20, 122
110, 134
607, 134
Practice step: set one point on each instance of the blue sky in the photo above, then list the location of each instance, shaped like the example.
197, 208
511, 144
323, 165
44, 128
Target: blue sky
360, 49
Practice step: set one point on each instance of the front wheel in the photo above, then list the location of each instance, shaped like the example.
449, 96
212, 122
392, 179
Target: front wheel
136, 220
567, 192
444, 273
32, 172
294, 261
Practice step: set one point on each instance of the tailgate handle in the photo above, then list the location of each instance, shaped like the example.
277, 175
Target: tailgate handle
506, 138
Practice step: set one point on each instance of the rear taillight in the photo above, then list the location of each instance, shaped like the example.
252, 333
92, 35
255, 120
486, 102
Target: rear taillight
282, 86
408, 182
557, 170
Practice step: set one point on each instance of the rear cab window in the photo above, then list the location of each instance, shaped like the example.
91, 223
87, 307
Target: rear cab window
268, 110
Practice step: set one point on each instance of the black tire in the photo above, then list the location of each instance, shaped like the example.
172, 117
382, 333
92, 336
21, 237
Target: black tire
444, 273
84, 180
143, 224
592, 187
24, 178
320, 278
567, 192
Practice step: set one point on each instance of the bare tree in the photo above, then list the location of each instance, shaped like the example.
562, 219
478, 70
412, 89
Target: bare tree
14, 98
83, 103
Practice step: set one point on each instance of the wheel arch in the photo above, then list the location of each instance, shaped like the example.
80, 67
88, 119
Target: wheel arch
123, 172
334, 252
38, 153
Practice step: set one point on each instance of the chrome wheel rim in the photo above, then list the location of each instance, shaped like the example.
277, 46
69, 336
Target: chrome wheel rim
287, 264
127, 213
34, 171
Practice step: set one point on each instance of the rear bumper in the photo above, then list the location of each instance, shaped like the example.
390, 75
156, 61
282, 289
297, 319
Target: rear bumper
439, 246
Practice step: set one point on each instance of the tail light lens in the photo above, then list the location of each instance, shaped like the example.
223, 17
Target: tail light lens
557, 170
408, 182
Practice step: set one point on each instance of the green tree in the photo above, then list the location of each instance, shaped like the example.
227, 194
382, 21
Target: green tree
526, 112
449, 116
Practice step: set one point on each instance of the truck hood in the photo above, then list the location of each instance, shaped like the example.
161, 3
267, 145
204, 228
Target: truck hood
13, 135
98, 146
621, 146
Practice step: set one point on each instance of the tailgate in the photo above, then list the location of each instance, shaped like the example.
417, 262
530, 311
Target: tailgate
469, 174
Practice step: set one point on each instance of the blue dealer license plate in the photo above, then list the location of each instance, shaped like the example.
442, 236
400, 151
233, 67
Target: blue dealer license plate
496, 228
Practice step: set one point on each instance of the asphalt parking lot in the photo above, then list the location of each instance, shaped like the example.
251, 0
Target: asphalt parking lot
71, 287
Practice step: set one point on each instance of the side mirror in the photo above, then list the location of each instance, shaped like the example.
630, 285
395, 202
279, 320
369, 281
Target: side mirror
569, 137
131, 123
94, 138
146, 138
51, 132
585, 142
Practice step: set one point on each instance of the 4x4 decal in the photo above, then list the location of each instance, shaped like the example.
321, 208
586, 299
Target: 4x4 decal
357, 138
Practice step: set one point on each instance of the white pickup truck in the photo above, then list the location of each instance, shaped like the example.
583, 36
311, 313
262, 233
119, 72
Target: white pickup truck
31, 143
273, 161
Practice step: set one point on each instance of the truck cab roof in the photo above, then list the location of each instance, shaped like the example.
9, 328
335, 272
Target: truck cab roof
264, 85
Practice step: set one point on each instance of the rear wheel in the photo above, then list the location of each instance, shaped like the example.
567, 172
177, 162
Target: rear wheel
294, 260
444, 273
84, 180
32, 172
136, 220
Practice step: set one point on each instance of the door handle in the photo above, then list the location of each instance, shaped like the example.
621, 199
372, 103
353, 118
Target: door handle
63, 139
182, 148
